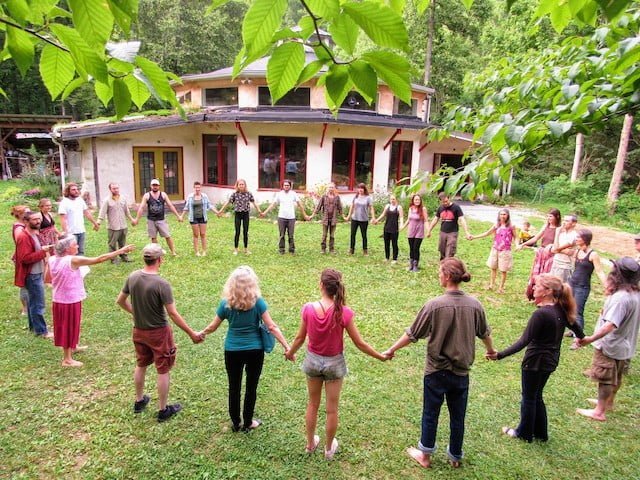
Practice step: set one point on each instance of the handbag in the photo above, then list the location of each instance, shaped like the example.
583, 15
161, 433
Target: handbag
268, 340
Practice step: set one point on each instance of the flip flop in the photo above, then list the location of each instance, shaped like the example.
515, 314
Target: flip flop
316, 442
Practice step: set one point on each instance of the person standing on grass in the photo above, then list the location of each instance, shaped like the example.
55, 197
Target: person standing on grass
244, 308
197, 204
72, 211
393, 219
30, 259
544, 255
48, 232
564, 249
543, 338
17, 212
450, 214
500, 257
360, 212
287, 199
324, 323
155, 201
416, 220
241, 199
451, 322
116, 210
67, 279
151, 302
615, 338
330, 206
586, 262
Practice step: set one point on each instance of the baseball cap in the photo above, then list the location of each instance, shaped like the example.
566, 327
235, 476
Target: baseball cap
627, 266
155, 181
152, 251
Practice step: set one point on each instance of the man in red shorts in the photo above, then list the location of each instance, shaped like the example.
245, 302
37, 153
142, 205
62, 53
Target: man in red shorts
151, 303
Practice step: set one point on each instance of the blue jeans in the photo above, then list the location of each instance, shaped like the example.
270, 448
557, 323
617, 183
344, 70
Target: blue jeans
533, 412
80, 240
437, 387
35, 304
580, 295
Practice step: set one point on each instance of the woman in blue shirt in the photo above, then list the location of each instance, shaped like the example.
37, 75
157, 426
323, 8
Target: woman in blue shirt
243, 306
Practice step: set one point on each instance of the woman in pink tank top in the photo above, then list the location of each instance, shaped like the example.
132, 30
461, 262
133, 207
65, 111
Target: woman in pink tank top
324, 322
67, 280
500, 257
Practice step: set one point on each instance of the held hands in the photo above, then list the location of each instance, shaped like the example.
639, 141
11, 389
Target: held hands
470, 237
388, 355
96, 226
289, 355
196, 337
491, 355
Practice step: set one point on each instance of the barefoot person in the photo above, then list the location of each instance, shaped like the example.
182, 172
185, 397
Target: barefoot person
151, 302
244, 308
197, 205
451, 321
241, 199
67, 279
324, 323
543, 338
616, 335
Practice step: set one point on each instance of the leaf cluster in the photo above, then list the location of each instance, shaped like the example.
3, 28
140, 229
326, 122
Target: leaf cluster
73, 39
545, 98
339, 68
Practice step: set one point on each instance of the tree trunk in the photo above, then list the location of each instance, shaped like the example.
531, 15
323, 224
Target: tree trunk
430, 34
616, 178
577, 157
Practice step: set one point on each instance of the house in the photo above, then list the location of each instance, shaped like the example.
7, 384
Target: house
235, 132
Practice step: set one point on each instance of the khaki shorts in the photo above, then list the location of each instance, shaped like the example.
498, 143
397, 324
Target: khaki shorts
326, 368
502, 261
155, 346
158, 226
605, 370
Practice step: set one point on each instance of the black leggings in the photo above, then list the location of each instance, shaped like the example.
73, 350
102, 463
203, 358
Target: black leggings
355, 224
414, 248
390, 241
236, 362
241, 218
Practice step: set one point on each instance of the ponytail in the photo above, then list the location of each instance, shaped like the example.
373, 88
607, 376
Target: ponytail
562, 295
332, 283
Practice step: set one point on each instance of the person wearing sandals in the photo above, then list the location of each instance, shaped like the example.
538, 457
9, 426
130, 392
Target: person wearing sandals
324, 323
393, 217
451, 321
543, 338
242, 199
243, 307
67, 270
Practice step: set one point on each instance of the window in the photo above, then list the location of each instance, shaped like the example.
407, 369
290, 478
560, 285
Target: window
401, 108
283, 158
220, 159
399, 162
352, 162
185, 97
300, 97
220, 97
355, 101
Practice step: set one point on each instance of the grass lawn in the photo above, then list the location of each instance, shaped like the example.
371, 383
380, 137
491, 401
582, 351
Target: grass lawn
78, 423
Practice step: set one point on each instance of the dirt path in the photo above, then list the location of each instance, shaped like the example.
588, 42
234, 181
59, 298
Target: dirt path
612, 243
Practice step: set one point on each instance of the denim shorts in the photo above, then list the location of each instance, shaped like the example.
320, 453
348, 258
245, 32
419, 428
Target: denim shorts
326, 368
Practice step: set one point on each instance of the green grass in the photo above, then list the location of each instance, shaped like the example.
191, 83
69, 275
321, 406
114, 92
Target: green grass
78, 423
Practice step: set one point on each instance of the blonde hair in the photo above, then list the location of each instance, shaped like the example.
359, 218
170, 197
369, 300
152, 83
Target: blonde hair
241, 290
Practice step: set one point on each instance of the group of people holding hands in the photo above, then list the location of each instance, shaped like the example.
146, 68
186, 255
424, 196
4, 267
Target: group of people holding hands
449, 322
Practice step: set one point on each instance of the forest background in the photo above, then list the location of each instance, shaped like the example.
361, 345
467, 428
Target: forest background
186, 37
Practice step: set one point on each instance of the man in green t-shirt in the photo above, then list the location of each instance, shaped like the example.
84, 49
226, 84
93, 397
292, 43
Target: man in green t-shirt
151, 303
